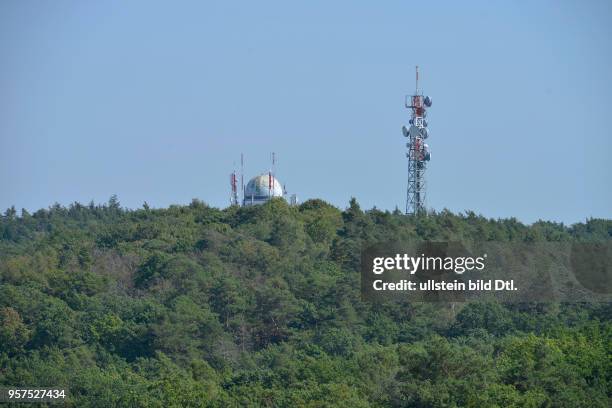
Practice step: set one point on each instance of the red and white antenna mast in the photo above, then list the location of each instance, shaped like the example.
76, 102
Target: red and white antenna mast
418, 151
242, 175
271, 175
234, 184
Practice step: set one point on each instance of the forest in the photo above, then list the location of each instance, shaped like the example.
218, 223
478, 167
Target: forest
195, 306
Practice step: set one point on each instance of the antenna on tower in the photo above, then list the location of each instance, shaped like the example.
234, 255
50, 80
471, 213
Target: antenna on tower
242, 174
418, 151
271, 175
270, 183
234, 184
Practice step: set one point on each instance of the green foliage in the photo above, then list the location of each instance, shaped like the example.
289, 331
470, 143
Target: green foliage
260, 306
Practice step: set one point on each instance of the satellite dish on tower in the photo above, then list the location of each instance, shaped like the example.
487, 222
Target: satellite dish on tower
405, 131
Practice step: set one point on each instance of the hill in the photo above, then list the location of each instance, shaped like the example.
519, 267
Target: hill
260, 306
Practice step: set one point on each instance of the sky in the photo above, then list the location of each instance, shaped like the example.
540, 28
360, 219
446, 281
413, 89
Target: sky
155, 101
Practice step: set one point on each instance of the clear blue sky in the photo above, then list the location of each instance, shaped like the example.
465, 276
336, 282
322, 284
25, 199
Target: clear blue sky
155, 101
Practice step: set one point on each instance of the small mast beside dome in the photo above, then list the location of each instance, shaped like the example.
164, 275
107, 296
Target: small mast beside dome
260, 189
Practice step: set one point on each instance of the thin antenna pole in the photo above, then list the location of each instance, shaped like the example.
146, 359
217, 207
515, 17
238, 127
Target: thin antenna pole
271, 175
233, 182
417, 80
270, 184
242, 174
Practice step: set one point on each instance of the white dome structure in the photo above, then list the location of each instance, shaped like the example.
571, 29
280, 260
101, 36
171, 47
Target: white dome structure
261, 188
